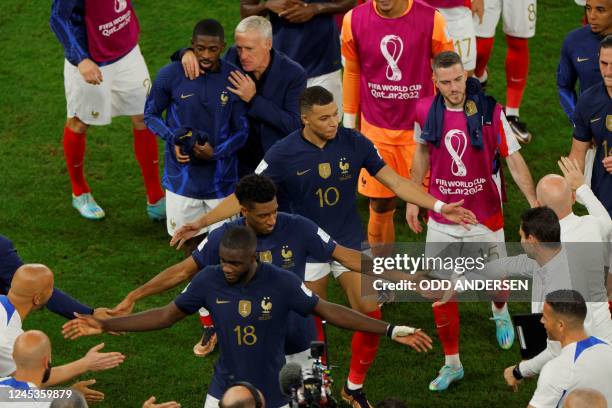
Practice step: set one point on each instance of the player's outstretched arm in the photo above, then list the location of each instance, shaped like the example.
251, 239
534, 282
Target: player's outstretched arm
579, 151
522, 177
150, 403
165, 280
346, 318
420, 167
410, 192
153, 319
91, 396
227, 208
94, 360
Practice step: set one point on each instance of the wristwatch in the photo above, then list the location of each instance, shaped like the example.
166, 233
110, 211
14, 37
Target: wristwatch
516, 372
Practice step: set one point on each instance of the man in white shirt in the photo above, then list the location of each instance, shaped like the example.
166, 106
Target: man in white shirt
585, 361
30, 290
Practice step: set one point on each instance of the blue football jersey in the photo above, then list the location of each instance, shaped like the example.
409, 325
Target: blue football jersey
293, 240
593, 120
251, 322
213, 114
321, 183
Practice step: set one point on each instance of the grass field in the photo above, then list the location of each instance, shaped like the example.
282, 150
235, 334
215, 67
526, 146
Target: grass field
99, 262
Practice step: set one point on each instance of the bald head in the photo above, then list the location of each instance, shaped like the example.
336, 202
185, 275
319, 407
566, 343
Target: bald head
554, 192
33, 282
32, 351
239, 396
585, 398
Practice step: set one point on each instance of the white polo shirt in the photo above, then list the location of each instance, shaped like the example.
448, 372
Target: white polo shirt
10, 329
585, 364
9, 384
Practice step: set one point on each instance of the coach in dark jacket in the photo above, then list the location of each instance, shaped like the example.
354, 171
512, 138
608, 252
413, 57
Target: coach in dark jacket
271, 87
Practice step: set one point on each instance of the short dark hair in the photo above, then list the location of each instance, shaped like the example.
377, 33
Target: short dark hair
315, 95
255, 188
542, 223
209, 27
569, 303
241, 238
606, 42
446, 59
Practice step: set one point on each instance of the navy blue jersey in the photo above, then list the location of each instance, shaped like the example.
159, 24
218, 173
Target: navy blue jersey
315, 44
579, 63
593, 120
60, 303
251, 323
321, 184
293, 239
213, 114
68, 23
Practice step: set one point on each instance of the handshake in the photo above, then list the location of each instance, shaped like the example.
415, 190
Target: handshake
191, 145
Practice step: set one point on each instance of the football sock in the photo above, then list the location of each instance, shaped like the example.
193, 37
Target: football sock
74, 154
145, 150
320, 334
517, 67
484, 48
446, 317
205, 318
380, 228
363, 347
452, 361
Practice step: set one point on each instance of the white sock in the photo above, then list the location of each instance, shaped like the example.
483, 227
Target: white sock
512, 111
351, 386
484, 77
452, 361
497, 311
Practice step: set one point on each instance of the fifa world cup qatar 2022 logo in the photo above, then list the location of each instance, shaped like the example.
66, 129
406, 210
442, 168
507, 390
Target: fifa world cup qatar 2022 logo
120, 5
456, 143
392, 47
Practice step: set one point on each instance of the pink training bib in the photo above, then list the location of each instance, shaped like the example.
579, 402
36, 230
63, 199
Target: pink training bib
395, 58
112, 28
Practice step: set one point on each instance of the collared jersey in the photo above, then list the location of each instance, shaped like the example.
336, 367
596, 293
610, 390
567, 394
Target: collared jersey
293, 239
321, 183
579, 63
593, 121
584, 364
203, 105
10, 329
251, 323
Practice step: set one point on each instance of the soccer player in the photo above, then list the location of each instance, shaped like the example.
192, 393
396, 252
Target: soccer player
585, 361
205, 125
105, 76
593, 121
461, 135
387, 46
580, 55
460, 26
250, 303
317, 171
271, 87
285, 240
519, 25
306, 32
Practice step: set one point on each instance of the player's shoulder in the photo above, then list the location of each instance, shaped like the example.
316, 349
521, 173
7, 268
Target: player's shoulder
578, 35
424, 104
592, 98
289, 67
171, 71
275, 273
5, 243
286, 146
227, 66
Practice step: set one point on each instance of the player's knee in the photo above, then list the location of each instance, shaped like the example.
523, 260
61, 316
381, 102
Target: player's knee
76, 125
382, 205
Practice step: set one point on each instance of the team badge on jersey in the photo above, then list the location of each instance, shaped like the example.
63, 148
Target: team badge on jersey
266, 308
224, 98
470, 108
609, 122
344, 169
265, 256
324, 170
244, 308
287, 255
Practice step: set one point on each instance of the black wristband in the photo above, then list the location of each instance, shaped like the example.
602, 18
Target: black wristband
390, 330
516, 372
